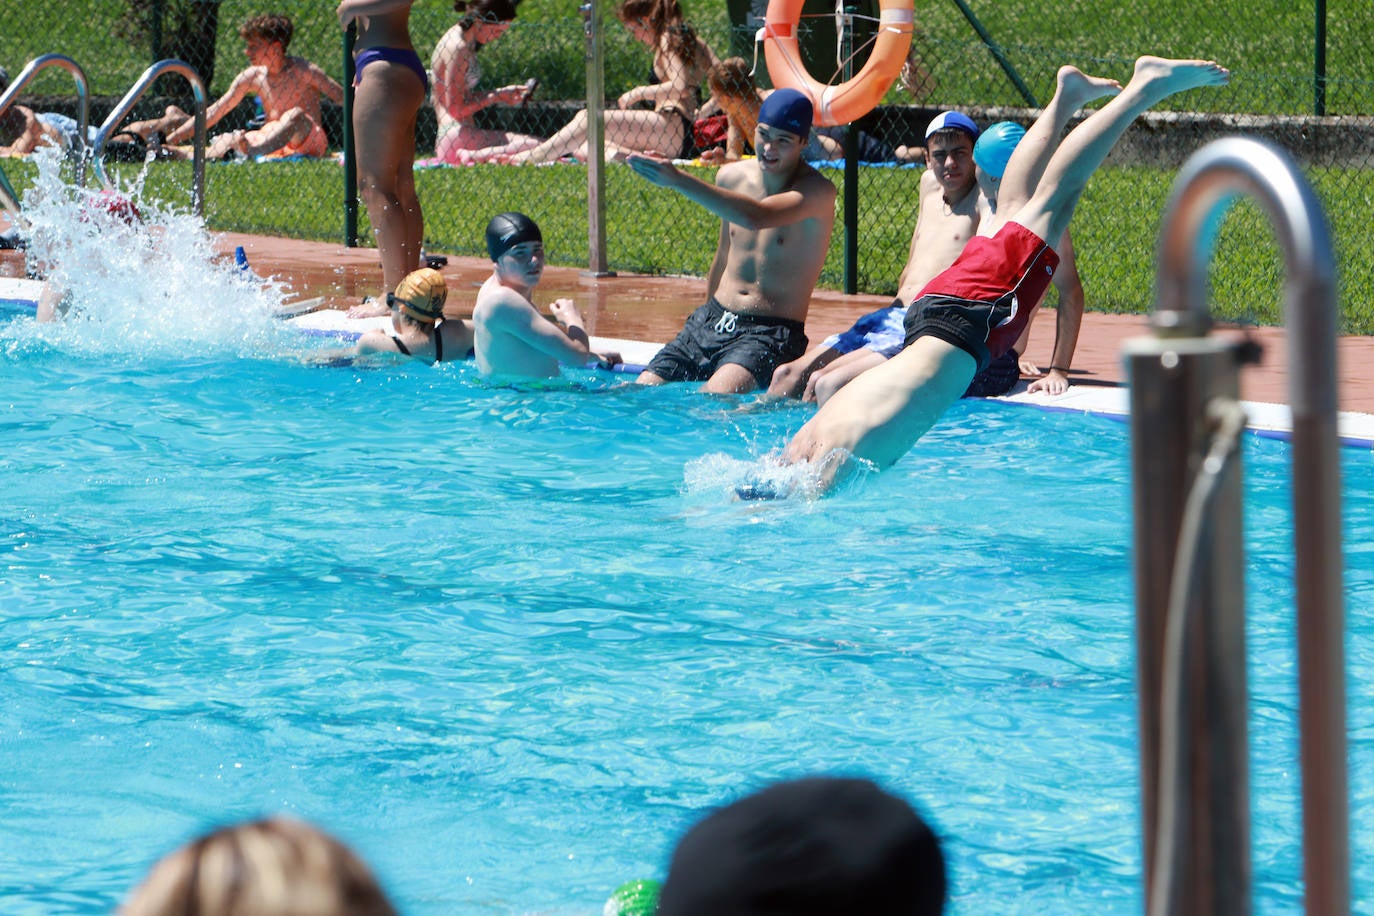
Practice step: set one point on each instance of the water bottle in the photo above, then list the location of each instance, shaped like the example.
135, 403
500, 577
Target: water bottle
241, 259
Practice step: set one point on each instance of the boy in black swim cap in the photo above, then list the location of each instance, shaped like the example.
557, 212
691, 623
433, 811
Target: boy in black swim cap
512, 338
820, 846
759, 288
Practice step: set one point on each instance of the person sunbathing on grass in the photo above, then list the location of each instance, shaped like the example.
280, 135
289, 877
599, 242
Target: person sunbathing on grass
289, 87
977, 308
457, 99
681, 60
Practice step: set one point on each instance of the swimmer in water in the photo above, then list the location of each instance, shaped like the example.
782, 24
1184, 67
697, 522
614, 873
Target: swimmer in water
419, 329
512, 338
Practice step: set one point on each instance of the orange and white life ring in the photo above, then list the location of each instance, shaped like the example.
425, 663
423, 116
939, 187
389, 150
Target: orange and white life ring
849, 100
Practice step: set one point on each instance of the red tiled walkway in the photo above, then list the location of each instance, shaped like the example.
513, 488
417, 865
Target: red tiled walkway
653, 308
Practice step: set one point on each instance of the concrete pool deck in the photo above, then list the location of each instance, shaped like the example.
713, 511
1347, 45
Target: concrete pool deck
634, 311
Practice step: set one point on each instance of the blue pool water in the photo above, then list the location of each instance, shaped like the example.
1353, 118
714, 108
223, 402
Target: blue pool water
509, 643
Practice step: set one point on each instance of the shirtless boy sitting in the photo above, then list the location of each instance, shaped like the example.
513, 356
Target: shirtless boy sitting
977, 309
289, 88
512, 338
418, 327
776, 214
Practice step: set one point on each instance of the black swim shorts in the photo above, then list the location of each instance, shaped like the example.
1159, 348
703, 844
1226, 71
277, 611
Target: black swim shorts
714, 336
965, 323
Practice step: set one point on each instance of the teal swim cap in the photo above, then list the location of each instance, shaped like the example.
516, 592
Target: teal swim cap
993, 149
633, 898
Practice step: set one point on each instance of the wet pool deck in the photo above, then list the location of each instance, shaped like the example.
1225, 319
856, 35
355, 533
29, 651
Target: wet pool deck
643, 308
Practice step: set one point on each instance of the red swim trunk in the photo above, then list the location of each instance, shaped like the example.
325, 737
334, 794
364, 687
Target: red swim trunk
982, 302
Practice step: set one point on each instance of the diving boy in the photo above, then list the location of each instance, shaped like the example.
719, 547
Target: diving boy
976, 310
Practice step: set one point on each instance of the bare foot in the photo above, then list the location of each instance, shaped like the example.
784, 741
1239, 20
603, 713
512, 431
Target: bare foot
1077, 88
1158, 77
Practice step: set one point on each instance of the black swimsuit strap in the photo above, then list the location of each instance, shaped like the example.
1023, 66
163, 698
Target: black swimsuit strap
438, 346
400, 346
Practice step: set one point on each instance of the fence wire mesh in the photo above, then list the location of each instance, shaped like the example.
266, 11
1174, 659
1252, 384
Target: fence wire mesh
1311, 93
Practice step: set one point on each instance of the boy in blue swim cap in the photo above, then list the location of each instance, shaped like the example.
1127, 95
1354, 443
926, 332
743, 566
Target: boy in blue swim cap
511, 337
759, 289
976, 310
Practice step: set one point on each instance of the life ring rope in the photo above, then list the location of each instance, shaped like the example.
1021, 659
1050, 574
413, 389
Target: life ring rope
843, 102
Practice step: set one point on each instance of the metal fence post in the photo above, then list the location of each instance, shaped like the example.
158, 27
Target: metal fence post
156, 13
350, 163
851, 168
996, 51
1319, 61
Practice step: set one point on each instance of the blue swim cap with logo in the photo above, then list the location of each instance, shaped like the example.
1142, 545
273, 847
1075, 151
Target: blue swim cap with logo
506, 230
789, 110
994, 148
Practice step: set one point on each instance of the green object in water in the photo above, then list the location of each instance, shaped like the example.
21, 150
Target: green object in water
633, 898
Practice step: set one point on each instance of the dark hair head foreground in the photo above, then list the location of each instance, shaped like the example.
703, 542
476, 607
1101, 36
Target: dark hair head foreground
820, 846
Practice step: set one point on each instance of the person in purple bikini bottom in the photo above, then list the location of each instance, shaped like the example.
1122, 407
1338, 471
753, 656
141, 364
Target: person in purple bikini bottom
390, 85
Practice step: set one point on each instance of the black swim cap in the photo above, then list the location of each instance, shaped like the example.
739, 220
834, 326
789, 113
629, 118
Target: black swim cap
506, 230
789, 110
811, 847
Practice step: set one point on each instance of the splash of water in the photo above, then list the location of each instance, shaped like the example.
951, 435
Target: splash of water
142, 285
767, 477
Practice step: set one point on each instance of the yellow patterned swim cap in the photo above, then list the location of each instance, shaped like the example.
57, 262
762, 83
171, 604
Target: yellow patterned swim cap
421, 295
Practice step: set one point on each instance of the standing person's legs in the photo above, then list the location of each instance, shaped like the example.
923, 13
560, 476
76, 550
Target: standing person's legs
385, 108
414, 224
1050, 209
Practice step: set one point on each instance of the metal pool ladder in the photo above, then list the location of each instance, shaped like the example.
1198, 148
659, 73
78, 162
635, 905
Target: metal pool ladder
1189, 572
8, 199
121, 111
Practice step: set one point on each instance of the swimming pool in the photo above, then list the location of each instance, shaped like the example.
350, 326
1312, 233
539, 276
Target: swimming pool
508, 643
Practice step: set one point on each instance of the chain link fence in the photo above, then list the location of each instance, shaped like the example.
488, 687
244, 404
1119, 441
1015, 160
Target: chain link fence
1309, 92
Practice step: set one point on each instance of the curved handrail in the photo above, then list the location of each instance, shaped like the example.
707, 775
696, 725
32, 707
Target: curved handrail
1206, 187
83, 103
121, 111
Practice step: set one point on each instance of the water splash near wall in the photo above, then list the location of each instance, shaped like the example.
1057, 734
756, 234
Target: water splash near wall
141, 277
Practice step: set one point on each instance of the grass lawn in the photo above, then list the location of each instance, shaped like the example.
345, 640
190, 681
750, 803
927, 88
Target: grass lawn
653, 231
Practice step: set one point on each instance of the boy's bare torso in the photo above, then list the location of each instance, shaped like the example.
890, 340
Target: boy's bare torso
773, 271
